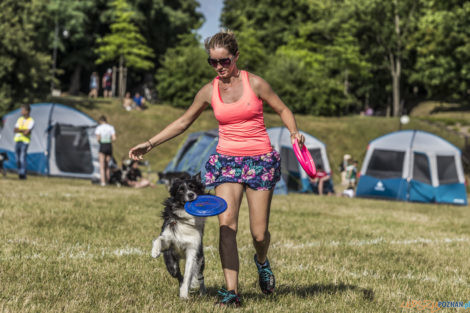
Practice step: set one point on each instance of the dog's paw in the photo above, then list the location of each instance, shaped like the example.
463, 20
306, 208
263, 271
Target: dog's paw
156, 248
184, 295
202, 290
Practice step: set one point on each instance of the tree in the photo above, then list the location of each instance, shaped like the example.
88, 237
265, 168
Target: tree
124, 43
306, 49
385, 29
184, 70
442, 44
24, 69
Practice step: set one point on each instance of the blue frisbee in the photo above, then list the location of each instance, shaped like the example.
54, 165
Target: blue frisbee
206, 205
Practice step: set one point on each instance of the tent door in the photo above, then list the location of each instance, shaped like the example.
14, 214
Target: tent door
291, 174
420, 187
72, 149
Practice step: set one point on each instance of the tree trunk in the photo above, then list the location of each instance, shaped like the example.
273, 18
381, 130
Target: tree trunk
74, 87
113, 81
346, 83
396, 88
121, 76
395, 60
124, 83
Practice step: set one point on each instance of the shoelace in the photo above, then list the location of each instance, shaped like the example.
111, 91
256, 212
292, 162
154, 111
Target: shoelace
227, 295
265, 274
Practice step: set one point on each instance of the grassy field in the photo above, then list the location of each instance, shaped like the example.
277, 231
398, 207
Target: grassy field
69, 246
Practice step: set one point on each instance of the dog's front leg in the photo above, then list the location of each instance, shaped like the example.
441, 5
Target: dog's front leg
160, 244
189, 270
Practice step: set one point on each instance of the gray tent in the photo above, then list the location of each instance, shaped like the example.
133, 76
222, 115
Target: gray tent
62, 142
413, 165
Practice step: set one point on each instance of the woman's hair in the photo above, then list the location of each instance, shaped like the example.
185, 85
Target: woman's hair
103, 119
225, 39
26, 106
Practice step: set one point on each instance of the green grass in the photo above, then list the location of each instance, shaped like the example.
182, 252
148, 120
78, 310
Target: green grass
69, 246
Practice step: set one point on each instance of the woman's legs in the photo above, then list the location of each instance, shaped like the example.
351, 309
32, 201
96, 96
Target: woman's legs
102, 158
106, 166
259, 203
320, 186
232, 193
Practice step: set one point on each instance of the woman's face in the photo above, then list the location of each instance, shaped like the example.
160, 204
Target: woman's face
222, 61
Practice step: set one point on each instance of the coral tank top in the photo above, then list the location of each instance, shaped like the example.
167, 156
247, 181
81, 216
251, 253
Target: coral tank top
241, 123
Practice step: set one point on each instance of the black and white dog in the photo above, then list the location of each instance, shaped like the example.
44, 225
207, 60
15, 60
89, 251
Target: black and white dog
181, 236
169, 177
3, 158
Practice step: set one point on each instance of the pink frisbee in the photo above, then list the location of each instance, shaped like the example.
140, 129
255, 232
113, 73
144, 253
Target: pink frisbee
305, 159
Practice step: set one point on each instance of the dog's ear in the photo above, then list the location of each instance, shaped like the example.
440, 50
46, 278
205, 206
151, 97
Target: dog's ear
174, 184
197, 177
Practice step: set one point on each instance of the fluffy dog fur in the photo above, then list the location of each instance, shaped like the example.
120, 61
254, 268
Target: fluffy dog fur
169, 177
3, 158
181, 236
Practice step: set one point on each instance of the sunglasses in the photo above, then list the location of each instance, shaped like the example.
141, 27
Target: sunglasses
225, 62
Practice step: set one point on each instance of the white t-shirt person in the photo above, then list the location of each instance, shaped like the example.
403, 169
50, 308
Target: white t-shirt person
105, 133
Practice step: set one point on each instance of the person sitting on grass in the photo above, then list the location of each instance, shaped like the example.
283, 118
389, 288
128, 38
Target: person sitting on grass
321, 179
134, 177
128, 102
139, 102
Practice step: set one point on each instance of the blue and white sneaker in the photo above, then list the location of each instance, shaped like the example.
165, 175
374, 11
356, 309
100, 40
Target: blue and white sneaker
228, 298
267, 282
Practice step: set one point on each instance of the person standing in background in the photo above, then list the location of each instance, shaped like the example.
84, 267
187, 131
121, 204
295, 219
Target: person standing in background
107, 83
105, 135
93, 85
23, 127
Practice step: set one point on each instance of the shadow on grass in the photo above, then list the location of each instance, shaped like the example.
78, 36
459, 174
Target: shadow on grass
306, 291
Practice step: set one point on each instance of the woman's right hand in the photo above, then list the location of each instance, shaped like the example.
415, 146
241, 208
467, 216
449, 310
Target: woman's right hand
137, 153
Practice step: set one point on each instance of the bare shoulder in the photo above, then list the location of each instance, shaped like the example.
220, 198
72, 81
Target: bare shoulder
205, 93
258, 84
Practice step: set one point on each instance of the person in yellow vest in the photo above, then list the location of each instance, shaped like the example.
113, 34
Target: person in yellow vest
23, 127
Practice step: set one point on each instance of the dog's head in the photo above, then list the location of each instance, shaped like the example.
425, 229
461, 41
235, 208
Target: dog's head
184, 190
169, 178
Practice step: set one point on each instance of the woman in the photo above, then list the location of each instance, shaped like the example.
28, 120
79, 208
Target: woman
134, 178
105, 134
245, 160
93, 85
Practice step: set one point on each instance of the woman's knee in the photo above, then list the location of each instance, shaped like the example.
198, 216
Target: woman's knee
261, 237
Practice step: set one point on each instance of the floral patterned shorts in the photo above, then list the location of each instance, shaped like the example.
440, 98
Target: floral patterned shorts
260, 172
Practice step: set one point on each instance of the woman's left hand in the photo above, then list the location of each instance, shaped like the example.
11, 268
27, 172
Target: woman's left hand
299, 137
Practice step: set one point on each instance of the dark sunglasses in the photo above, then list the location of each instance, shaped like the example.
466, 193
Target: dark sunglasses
225, 62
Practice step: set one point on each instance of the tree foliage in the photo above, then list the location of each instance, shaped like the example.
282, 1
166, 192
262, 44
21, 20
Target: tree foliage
124, 42
184, 70
24, 71
443, 50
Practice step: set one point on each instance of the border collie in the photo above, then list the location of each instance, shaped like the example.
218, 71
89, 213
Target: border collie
181, 236
3, 158
169, 177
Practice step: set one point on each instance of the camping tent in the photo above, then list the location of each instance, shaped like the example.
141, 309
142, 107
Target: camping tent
195, 151
413, 165
62, 142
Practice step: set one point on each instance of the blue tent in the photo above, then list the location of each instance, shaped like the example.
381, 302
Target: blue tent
195, 151
62, 142
413, 165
